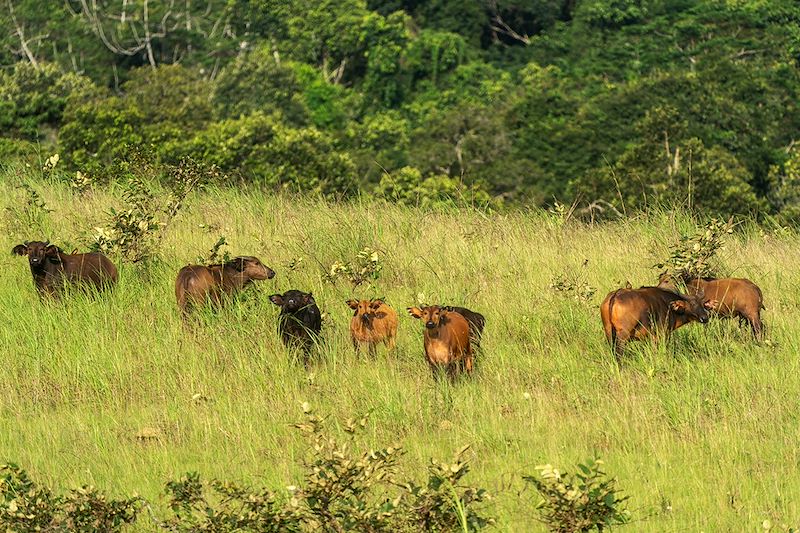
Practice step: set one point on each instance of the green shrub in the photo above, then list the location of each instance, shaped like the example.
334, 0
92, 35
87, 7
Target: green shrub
581, 502
26, 506
97, 134
694, 256
263, 150
785, 186
135, 231
229, 508
257, 82
32, 97
407, 186
365, 267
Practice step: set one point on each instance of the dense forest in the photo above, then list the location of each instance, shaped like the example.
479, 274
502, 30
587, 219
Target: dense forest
613, 105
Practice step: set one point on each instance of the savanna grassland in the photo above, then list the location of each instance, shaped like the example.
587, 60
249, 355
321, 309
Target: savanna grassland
701, 433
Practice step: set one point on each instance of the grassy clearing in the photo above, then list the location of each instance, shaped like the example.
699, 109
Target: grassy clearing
702, 433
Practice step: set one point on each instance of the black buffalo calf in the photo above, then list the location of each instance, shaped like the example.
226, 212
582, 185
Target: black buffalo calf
300, 320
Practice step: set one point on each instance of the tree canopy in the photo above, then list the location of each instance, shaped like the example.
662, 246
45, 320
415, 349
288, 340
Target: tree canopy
620, 103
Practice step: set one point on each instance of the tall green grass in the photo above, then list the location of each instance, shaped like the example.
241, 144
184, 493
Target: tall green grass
702, 432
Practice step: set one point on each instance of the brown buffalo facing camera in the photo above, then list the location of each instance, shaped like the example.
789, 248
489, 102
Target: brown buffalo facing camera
633, 314
735, 297
446, 339
373, 322
53, 269
197, 285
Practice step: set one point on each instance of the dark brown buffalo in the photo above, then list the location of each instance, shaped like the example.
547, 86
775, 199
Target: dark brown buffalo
300, 321
53, 269
735, 297
197, 285
475, 320
633, 314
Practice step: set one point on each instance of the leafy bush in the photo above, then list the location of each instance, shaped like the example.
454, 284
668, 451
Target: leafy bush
408, 187
613, 13
785, 185
214, 255
26, 506
258, 82
573, 283
581, 502
693, 256
32, 96
364, 268
263, 150
444, 504
230, 508
342, 489
134, 231
98, 133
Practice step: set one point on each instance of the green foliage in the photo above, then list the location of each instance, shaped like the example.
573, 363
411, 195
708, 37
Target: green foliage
26, 214
265, 151
214, 256
693, 256
258, 82
26, 506
616, 103
342, 490
32, 97
573, 283
445, 503
408, 187
580, 502
606, 14
170, 99
98, 133
134, 231
785, 184
365, 267
229, 508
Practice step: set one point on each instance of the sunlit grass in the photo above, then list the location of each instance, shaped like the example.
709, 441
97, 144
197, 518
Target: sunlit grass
701, 432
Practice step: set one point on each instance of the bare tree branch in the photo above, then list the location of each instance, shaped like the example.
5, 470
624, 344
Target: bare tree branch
20, 31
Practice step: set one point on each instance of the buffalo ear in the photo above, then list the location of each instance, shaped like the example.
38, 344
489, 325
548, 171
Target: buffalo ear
352, 304
53, 253
711, 304
679, 306
416, 312
240, 263
20, 249
308, 298
277, 299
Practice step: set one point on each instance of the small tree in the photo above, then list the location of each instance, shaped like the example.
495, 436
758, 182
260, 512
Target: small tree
693, 256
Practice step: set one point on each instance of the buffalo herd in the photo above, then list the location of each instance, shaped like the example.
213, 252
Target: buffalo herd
451, 335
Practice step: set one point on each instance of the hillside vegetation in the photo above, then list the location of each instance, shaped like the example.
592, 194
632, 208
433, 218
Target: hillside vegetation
115, 392
616, 105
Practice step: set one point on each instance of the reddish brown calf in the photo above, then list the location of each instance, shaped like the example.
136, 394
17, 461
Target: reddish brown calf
446, 340
373, 322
